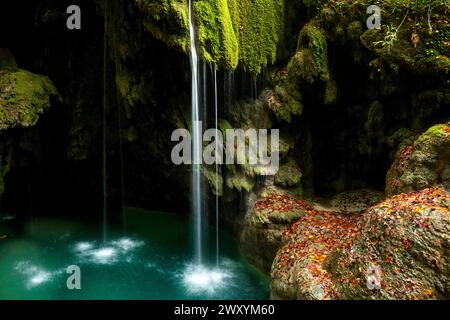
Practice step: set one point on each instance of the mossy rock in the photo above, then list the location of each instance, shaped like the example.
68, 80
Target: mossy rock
238, 180
229, 32
289, 174
286, 217
311, 60
405, 240
423, 164
215, 181
251, 114
217, 38
260, 24
23, 97
167, 20
285, 102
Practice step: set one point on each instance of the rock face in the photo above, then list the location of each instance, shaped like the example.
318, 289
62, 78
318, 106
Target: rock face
401, 253
397, 249
299, 270
423, 164
225, 29
265, 224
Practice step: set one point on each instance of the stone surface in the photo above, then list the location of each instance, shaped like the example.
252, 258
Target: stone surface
423, 164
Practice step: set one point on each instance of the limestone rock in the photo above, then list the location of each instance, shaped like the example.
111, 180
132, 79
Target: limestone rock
406, 238
423, 164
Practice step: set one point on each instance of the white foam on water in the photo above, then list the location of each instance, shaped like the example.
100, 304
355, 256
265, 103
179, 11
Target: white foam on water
201, 279
36, 275
127, 244
112, 252
106, 255
83, 246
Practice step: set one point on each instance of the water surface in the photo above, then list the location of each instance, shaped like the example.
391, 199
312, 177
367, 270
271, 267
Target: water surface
153, 260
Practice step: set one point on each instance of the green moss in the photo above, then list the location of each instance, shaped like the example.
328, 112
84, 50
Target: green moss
286, 217
167, 20
311, 60
217, 38
260, 27
400, 19
440, 130
355, 30
286, 102
289, 174
215, 182
239, 181
23, 96
230, 32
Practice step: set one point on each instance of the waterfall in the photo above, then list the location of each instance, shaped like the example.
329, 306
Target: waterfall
217, 166
104, 162
196, 145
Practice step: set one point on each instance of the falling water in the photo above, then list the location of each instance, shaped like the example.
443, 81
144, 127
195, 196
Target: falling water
196, 147
104, 163
217, 166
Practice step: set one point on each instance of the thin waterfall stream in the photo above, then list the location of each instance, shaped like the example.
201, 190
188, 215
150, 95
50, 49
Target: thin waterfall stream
196, 146
104, 156
217, 166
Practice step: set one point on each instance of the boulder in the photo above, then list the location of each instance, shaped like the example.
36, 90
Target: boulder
401, 252
423, 164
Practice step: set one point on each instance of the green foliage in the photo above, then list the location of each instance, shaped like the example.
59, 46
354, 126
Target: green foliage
389, 39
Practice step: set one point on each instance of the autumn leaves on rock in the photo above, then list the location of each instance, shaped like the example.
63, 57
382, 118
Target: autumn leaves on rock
329, 255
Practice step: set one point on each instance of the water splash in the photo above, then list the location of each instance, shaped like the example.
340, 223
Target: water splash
109, 252
35, 275
200, 279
